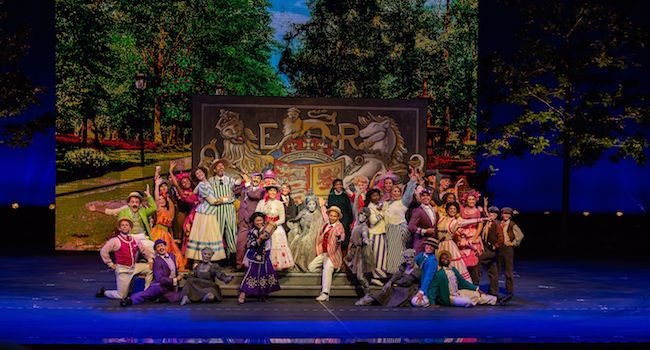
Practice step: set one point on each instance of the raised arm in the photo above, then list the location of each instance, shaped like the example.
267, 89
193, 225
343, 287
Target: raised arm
408, 193
170, 205
323, 210
173, 179
116, 211
152, 203
156, 191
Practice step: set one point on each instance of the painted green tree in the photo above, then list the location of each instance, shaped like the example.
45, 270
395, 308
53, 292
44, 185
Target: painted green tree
183, 47
83, 62
574, 84
386, 49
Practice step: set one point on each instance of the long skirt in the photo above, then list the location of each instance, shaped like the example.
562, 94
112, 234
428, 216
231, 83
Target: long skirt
379, 250
397, 237
160, 232
456, 258
396, 296
196, 289
260, 278
470, 248
205, 233
281, 256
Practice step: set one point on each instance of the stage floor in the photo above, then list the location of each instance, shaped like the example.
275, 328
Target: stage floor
51, 300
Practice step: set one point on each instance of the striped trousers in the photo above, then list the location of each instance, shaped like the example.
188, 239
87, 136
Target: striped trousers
379, 250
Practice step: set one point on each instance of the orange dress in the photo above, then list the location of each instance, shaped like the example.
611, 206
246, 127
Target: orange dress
161, 231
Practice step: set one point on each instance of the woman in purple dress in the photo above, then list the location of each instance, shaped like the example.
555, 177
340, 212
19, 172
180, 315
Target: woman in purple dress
260, 278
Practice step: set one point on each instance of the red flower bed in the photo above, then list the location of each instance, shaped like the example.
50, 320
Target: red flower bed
73, 140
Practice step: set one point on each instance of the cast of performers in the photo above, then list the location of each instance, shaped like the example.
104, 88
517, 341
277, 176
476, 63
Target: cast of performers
200, 284
328, 248
374, 220
126, 265
260, 278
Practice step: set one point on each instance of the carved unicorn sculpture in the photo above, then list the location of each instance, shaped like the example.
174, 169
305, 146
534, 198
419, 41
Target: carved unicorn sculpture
384, 149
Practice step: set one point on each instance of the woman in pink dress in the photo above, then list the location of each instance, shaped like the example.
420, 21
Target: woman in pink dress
469, 240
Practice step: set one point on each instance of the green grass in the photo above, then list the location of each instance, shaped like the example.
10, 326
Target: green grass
76, 223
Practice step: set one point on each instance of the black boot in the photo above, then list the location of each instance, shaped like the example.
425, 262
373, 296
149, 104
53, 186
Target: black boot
503, 300
100, 294
126, 302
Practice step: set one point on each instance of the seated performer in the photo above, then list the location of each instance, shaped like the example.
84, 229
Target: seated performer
260, 278
166, 278
427, 263
449, 288
328, 248
126, 266
200, 285
402, 286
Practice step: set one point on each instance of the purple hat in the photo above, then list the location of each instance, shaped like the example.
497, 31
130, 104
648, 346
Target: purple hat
256, 174
159, 241
426, 191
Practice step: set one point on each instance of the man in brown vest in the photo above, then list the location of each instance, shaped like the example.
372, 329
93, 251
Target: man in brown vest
492, 237
512, 237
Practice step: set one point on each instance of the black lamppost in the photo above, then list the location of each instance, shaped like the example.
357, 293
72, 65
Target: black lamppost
141, 84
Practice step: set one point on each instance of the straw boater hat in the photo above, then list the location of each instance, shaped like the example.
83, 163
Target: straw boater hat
224, 161
335, 209
439, 254
134, 194
123, 217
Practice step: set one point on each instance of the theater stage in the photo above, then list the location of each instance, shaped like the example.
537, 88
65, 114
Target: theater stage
50, 299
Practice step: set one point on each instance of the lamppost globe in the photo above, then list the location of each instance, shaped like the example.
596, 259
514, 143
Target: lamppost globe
140, 81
